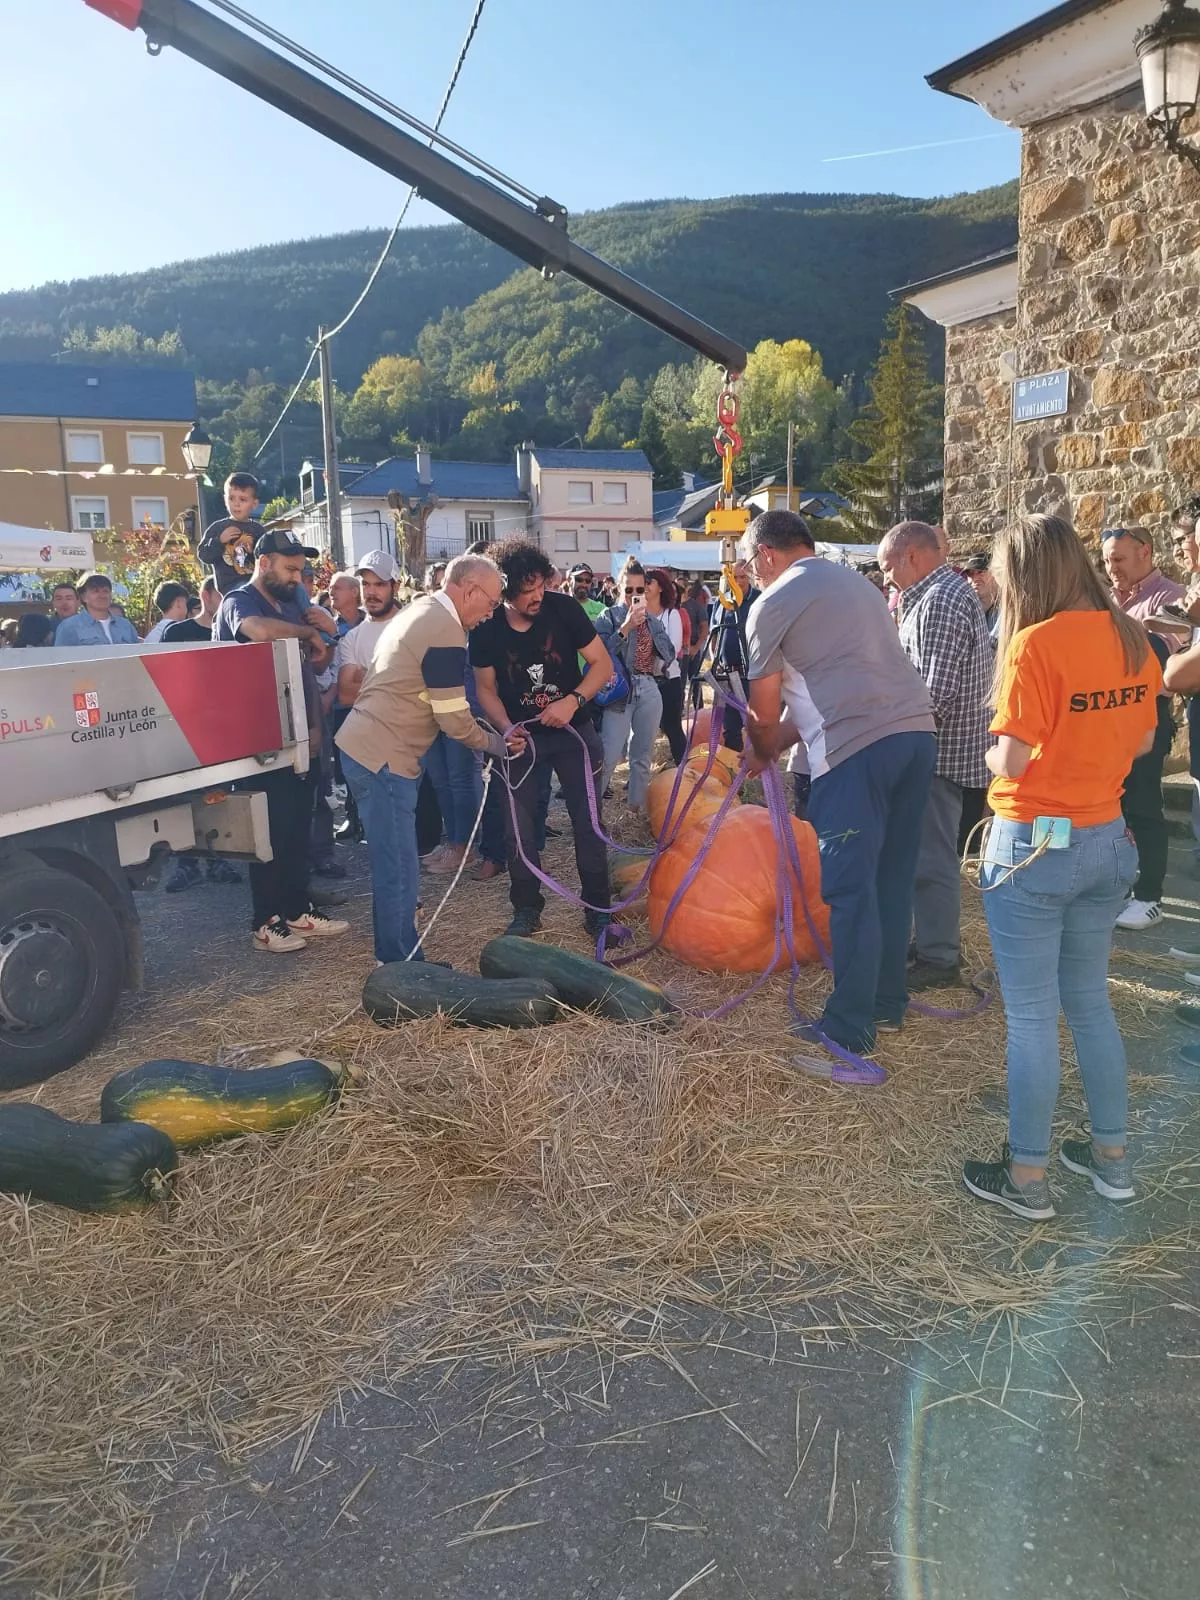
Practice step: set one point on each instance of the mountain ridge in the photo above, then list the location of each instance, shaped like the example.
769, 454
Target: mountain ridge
733, 260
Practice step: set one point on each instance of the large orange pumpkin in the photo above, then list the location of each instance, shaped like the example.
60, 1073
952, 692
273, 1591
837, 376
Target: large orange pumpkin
710, 793
726, 920
700, 727
725, 766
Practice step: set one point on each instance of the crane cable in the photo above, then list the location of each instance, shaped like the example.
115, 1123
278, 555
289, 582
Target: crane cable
408, 200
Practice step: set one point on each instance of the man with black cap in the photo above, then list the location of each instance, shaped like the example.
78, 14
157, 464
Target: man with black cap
977, 570
262, 610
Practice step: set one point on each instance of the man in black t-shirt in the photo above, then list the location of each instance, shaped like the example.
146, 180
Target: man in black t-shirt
527, 670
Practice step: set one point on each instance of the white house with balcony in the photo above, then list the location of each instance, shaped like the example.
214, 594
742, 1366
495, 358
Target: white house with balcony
466, 500
587, 505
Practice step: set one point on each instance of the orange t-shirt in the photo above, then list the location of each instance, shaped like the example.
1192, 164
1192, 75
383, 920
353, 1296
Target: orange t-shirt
1067, 693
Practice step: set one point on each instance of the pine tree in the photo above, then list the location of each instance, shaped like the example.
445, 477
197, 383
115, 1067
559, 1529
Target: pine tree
897, 473
652, 442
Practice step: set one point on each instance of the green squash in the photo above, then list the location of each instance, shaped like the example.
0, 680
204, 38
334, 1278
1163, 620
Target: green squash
402, 990
84, 1165
585, 984
196, 1104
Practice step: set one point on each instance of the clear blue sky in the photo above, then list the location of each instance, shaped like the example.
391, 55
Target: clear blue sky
115, 161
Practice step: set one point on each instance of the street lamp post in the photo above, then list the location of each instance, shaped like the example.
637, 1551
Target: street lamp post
1168, 53
197, 452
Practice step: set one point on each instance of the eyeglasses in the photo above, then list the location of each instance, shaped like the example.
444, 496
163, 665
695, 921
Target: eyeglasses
642, 590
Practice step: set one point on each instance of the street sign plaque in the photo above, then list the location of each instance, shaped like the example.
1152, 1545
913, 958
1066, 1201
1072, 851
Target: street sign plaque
1045, 395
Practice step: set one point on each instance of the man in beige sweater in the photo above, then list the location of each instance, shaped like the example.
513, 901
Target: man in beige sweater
413, 690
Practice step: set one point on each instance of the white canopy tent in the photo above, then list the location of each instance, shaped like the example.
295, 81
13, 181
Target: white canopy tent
42, 550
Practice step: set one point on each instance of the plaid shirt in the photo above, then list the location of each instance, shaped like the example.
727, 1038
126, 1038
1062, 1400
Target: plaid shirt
945, 635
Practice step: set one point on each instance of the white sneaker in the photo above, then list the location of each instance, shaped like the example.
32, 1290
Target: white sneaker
276, 939
314, 925
1140, 914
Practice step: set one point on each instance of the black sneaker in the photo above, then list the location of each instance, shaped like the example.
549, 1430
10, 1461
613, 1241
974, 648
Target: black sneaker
329, 869
349, 832
991, 1180
185, 876
324, 898
1112, 1179
1188, 1015
222, 872
525, 922
594, 922
932, 975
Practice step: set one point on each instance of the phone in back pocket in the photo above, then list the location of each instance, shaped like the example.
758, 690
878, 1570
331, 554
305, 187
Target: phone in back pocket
1054, 833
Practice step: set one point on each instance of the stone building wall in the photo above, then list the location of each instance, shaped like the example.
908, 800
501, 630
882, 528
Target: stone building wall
1109, 274
977, 428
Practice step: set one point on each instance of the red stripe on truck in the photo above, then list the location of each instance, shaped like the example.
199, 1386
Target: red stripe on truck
224, 698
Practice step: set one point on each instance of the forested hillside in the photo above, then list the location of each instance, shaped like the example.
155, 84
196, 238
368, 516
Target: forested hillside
501, 351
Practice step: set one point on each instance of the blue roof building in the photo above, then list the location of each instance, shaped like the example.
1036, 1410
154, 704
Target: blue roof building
129, 394
92, 448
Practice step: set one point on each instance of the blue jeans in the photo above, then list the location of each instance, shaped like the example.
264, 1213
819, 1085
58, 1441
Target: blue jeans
633, 723
387, 804
1051, 926
457, 784
867, 815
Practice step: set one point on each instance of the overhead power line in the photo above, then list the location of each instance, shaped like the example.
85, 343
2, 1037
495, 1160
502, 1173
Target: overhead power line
472, 29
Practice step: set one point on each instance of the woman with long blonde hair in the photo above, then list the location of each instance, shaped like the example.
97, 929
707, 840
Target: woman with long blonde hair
1075, 697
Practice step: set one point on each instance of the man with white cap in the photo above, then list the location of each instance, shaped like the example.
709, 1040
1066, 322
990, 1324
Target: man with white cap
379, 577
376, 580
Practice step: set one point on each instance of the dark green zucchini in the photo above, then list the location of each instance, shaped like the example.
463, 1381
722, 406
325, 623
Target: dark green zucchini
402, 990
84, 1165
585, 984
196, 1104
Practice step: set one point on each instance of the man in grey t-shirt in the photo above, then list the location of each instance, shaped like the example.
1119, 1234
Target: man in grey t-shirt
826, 668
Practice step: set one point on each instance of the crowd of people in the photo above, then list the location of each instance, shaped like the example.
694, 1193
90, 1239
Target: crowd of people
1027, 667
1027, 689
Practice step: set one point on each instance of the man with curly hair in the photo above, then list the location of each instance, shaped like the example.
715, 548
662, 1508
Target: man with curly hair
538, 662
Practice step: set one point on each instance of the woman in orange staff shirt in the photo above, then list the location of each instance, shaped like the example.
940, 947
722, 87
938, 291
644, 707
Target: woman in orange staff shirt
1076, 688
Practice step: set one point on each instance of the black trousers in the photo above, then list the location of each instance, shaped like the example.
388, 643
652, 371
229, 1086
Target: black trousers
693, 666
732, 724
279, 887
974, 801
320, 789
671, 721
1142, 808
559, 750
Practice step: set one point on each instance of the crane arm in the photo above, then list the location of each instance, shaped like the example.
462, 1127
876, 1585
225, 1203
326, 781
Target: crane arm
537, 235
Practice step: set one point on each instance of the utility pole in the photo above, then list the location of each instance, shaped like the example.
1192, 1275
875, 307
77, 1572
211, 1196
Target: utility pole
333, 497
791, 452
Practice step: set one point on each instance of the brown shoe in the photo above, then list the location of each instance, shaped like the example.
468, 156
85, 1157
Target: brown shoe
449, 860
487, 870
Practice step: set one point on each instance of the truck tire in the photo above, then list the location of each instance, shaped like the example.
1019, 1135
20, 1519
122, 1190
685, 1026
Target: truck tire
62, 965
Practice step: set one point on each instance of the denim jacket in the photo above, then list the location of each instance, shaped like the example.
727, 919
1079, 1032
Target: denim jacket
608, 626
83, 629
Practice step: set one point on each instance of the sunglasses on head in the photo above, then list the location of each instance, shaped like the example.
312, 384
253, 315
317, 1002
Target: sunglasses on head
1135, 534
